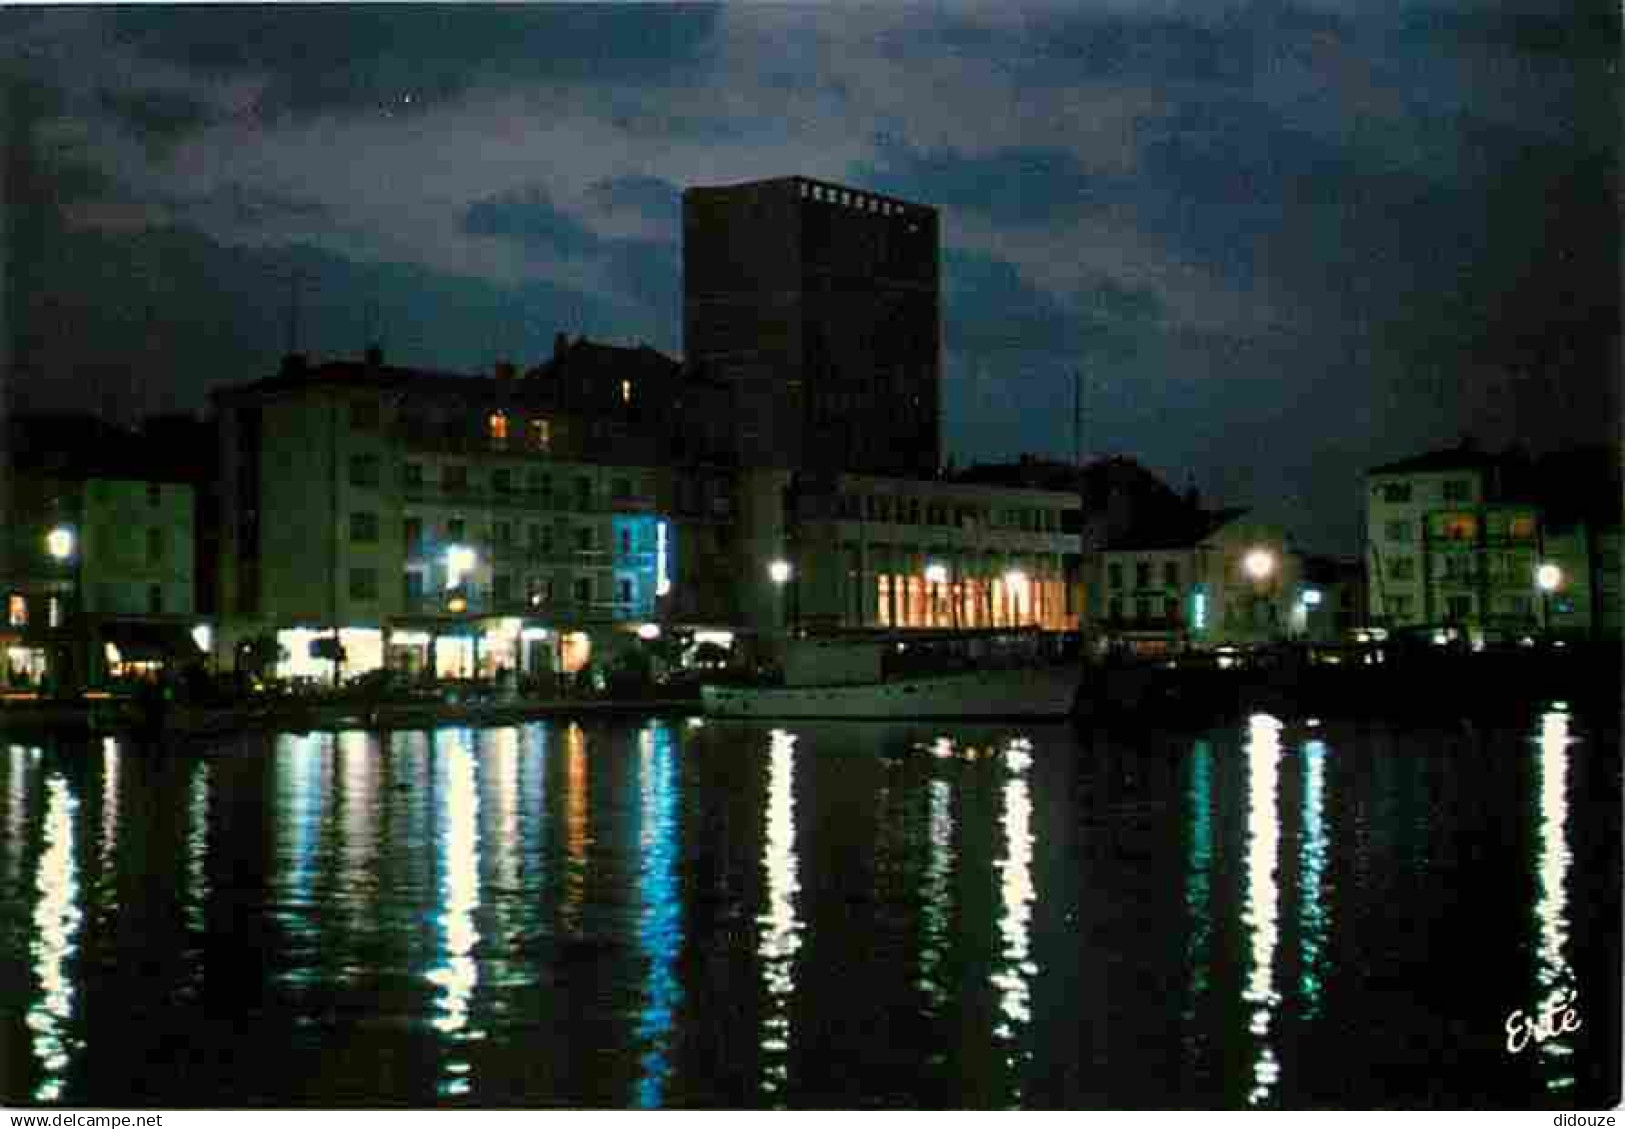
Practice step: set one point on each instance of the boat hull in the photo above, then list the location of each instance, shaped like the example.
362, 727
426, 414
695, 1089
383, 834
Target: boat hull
1041, 692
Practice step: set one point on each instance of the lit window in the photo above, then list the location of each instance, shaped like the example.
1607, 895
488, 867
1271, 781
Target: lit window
53, 612
1523, 527
498, 425
1460, 527
17, 611
541, 434
626, 391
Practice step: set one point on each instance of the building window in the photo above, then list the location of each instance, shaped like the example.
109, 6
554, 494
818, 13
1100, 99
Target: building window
412, 476
363, 584
155, 494
1396, 492
363, 470
583, 493
364, 528
1401, 605
497, 425
503, 533
1402, 568
583, 590
1459, 607
542, 484
412, 534
1522, 528
624, 591
455, 478
155, 599
1400, 530
1114, 575
584, 538
541, 435
1458, 490
621, 488
1460, 527
1142, 607
1170, 608
456, 528
502, 480
626, 391
17, 610
1142, 574
626, 542
502, 587
1170, 574
1115, 611
414, 587
363, 415
541, 590
155, 546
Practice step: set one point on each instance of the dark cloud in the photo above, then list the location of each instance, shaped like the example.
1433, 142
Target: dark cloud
159, 117
528, 217
650, 197
343, 57
1012, 186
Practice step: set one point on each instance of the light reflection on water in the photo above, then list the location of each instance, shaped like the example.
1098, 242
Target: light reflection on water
457, 975
780, 928
660, 918
57, 915
1262, 912
1554, 978
473, 922
1014, 974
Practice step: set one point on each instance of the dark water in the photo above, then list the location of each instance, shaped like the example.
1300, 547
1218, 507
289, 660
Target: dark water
665, 914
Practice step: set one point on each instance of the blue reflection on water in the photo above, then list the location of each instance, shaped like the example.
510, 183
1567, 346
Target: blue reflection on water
1199, 884
935, 892
1314, 916
660, 924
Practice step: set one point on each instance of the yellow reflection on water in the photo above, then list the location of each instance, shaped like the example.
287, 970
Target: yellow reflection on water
1014, 974
501, 843
56, 927
575, 825
16, 810
781, 930
457, 975
1262, 914
1554, 976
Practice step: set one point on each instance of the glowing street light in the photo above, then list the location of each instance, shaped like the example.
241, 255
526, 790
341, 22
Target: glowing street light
1259, 564
779, 572
936, 573
1549, 577
59, 543
460, 560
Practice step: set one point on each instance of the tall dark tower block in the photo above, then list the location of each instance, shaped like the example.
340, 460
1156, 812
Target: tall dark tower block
820, 304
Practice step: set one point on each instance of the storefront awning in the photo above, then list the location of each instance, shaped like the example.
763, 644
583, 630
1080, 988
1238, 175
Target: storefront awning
150, 642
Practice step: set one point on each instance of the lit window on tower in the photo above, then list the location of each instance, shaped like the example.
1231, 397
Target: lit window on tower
498, 427
626, 391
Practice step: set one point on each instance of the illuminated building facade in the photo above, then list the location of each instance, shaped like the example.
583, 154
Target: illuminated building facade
819, 305
872, 552
103, 554
466, 523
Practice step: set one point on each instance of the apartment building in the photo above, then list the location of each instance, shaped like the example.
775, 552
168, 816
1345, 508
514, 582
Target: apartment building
464, 524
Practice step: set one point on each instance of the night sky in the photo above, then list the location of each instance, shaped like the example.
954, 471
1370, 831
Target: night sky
1282, 242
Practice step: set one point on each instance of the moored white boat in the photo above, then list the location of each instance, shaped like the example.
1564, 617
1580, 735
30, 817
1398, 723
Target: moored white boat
959, 675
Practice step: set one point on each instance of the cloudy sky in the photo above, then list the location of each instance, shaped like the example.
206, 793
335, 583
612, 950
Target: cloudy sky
1281, 241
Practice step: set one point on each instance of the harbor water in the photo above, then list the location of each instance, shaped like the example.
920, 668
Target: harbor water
1271, 912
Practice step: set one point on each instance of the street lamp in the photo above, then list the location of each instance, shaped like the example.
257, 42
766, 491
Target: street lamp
1259, 564
779, 572
59, 543
1548, 578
